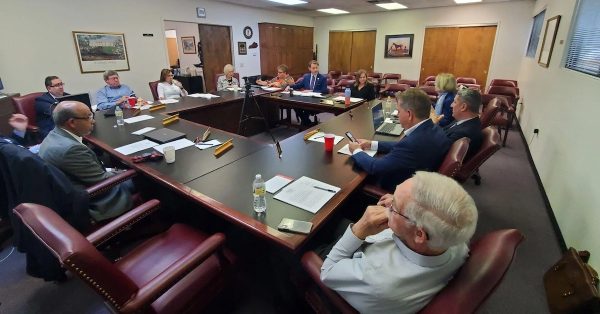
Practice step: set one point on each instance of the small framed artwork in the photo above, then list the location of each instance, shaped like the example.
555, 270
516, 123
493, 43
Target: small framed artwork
201, 12
188, 44
399, 46
242, 48
98, 52
548, 42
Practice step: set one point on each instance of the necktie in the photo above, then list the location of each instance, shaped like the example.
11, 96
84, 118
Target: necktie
312, 82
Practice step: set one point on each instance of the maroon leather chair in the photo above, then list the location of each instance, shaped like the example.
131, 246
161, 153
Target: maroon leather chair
431, 92
334, 74
375, 75
411, 83
342, 84
26, 105
430, 78
490, 112
504, 82
489, 260
154, 89
472, 86
348, 77
512, 96
466, 80
454, 157
392, 89
489, 145
429, 83
180, 270
390, 78
235, 74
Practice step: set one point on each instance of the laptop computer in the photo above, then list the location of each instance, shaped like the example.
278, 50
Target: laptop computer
382, 127
164, 135
83, 97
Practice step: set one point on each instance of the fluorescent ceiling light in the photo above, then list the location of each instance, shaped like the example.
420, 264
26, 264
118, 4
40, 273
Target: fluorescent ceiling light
333, 11
466, 1
391, 6
289, 2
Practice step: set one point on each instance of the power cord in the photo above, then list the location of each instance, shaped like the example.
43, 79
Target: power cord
9, 254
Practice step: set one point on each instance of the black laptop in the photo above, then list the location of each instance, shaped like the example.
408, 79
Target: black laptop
83, 97
164, 135
382, 127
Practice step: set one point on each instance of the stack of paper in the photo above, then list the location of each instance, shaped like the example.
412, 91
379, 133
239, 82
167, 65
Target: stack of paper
308, 194
178, 144
138, 118
208, 144
207, 96
135, 147
168, 101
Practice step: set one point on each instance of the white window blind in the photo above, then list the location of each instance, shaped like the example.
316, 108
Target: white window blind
584, 49
534, 38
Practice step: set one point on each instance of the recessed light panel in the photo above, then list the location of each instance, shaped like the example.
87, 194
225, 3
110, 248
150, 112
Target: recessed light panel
466, 1
391, 6
333, 11
289, 2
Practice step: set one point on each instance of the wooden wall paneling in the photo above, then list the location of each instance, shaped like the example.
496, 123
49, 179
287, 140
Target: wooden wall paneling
285, 44
439, 51
340, 51
474, 52
363, 51
216, 49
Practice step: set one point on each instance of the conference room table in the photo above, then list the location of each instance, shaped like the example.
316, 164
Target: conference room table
223, 185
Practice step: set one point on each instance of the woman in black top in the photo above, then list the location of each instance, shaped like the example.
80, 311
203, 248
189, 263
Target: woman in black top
362, 88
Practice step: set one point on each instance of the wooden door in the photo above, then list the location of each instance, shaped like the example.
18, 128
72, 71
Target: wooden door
439, 50
172, 51
340, 51
363, 51
285, 44
216, 51
474, 52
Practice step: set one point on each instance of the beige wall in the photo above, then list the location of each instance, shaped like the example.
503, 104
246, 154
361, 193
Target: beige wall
564, 105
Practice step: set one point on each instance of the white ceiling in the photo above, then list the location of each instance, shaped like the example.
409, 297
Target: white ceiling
352, 6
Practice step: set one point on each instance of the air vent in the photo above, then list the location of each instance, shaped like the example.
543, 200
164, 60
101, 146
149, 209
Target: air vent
373, 1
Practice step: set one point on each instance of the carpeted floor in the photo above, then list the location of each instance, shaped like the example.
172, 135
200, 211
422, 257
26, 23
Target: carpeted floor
508, 197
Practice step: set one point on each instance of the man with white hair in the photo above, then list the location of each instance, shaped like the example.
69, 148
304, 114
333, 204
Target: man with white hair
405, 249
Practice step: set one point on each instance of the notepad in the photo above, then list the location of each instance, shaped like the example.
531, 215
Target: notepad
277, 182
138, 119
178, 144
135, 147
346, 151
208, 144
142, 131
308, 194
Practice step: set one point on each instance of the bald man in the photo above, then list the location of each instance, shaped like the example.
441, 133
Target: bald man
64, 148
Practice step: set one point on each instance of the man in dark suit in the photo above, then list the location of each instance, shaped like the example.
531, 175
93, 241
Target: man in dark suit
63, 147
465, 110
46, 103
313, 81
423, 147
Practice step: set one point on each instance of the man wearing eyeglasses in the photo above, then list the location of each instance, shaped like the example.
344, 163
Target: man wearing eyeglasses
64, 148
114, 93
45, 104
405, 249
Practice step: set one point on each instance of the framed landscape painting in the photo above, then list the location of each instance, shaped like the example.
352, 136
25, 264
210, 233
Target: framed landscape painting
399, 46
98, 52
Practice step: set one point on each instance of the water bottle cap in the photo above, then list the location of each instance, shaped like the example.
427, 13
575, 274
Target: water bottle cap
258, 176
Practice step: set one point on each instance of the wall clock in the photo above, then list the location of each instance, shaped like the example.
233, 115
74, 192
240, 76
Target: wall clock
248, 32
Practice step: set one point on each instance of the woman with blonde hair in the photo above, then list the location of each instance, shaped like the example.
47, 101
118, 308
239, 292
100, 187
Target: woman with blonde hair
362, 88
169, 88
445, 85
227, 80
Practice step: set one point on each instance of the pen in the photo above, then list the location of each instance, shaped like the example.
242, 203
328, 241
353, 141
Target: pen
318, 137
324, 189
205, 144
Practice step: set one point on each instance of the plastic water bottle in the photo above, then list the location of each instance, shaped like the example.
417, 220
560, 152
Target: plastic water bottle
119, 115
347, 96
259, 191
388, 107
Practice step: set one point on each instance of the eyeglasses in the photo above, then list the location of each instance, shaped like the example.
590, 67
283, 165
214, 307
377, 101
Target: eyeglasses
395, 211
58, 85
89, 117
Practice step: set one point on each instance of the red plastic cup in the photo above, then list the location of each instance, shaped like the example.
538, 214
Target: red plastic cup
329, 142
132, 101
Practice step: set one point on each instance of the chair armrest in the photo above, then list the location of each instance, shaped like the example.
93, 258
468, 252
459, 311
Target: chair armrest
109, 183
122, 222
374, 191
165, 280
33, 129
312, 263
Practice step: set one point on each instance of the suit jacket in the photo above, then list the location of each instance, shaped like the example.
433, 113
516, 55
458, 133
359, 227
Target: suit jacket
470, 129
43, 113
84, 169
424, 149
30, 139
320, 84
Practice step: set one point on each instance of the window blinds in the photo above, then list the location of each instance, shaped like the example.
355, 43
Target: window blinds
583, 54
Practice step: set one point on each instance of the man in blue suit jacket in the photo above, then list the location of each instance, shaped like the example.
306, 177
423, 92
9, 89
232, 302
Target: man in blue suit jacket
465, 110
313, 81
423, 147
46, 103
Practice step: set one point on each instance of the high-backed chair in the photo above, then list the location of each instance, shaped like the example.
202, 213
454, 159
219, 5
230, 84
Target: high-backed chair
235, 74
390, 78
490, 112
26, 105
154, 89
431, 92
471, 86
454, 157
392, 89
490, 144
504, 82
512, 96
489, 259
349, 77
376, 75
430, 78
429, 83
334, 74
342, 84
466, 80
180, 270
411, 83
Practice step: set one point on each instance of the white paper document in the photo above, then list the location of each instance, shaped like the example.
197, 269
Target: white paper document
277, 182
169, 101
207, 96
142, 131
135, 147
346, 151
308, 194
143, 107
342, 98
208, 144
270, 89
320, 137
138, 118
178, 144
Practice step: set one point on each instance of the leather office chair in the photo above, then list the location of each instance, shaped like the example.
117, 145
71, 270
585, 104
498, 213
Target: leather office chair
389, 78
454, 157
512, 96
431, 92
430, 78
376, 75
411, 83
348, 77
490, 112
154, 89
235, 74
489, 259
429, 83
179, 270
466, 80
26, 105
471, 86
392, 89
504, 82
490, 144
335, 74
330, 85
342, 84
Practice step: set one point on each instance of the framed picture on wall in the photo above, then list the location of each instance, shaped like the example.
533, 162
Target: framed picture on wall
399, 46
242, 48
548, 42
98, 52
188, 44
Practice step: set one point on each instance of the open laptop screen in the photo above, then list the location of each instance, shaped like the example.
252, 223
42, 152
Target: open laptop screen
83, 97
377, 115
